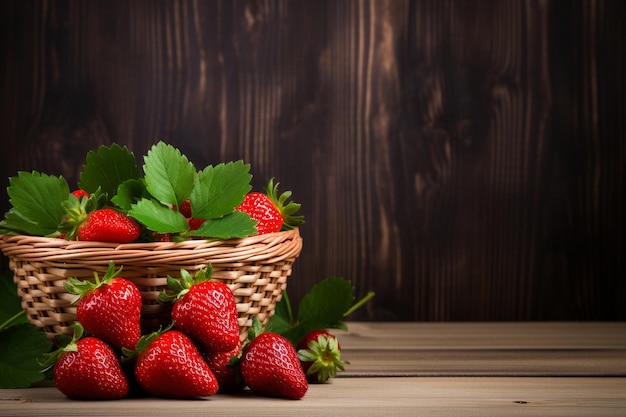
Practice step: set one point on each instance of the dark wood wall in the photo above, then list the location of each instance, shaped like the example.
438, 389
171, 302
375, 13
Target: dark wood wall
463, 159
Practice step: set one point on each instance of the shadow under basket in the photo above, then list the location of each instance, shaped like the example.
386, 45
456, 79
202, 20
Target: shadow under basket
255, 268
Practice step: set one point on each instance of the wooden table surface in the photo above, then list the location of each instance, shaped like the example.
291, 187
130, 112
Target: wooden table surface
398, 369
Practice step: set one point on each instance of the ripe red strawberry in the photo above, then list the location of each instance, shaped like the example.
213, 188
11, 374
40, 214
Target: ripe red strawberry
185, 208
204, 310
320, 354
109, 308
228, 374
109, 225
80, 193
272, 213
194, 223
168, 364
88, 369
270, 366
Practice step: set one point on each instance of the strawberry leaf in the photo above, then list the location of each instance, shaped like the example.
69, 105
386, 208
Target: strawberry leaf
36, 204
21, 347
168, 174
324, 306
234, 225
326, 302
157, 217
282, 320
11, 304
128, 193
218, 190
107, 169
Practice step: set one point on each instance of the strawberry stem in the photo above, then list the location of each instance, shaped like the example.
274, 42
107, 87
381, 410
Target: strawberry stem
12, 319
359, 303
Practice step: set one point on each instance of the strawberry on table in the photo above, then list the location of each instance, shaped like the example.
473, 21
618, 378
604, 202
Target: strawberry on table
272, 213
109, 308
168, 364
226, 372
204, 310
270, 366
320, 354
88, 369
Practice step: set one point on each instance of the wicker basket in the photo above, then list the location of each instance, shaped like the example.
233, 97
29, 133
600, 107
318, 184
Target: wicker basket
256, 269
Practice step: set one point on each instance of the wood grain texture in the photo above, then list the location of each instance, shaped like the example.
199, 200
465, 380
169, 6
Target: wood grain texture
408, 369
527, 349
464, 160
566, 397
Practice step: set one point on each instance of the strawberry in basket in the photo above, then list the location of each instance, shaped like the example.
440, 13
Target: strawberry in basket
271, 212
116, 203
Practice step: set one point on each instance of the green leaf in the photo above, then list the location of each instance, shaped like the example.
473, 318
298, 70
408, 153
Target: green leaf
11, 304
168, 174
15, 223
128, 193
218, 190
21, 347
282, 319
36, 201
107, 169
295, 333
157, 217
234, 225
326, 302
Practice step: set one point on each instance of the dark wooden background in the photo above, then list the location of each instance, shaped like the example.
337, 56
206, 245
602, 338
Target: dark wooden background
463, 159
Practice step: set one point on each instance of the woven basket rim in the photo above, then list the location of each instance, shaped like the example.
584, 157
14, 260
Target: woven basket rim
270, 247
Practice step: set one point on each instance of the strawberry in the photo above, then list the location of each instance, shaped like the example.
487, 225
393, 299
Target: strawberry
226, 372
109, 308
162, 237
194, 223
270, 366
109, 225
185, 208
88, 369
320, 354
80, 193
168, 364
272, 213
204, 310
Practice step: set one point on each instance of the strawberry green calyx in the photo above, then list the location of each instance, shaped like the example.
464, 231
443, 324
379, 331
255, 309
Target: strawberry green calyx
324, 356
144, 342
77, 209
51, 358
81, 288
179, 287
287, 209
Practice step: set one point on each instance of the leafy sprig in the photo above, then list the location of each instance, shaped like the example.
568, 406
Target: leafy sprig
324, 306
21, 344
43, 206
214, 193
36, 201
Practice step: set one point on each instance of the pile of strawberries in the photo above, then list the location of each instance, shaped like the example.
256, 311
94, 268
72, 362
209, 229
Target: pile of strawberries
199, 354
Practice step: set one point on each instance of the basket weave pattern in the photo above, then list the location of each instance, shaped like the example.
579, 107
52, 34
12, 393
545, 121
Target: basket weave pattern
255, 268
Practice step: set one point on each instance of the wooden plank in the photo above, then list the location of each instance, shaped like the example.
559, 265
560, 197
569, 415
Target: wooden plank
485, 349
486, 362
363, 397
484, 335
